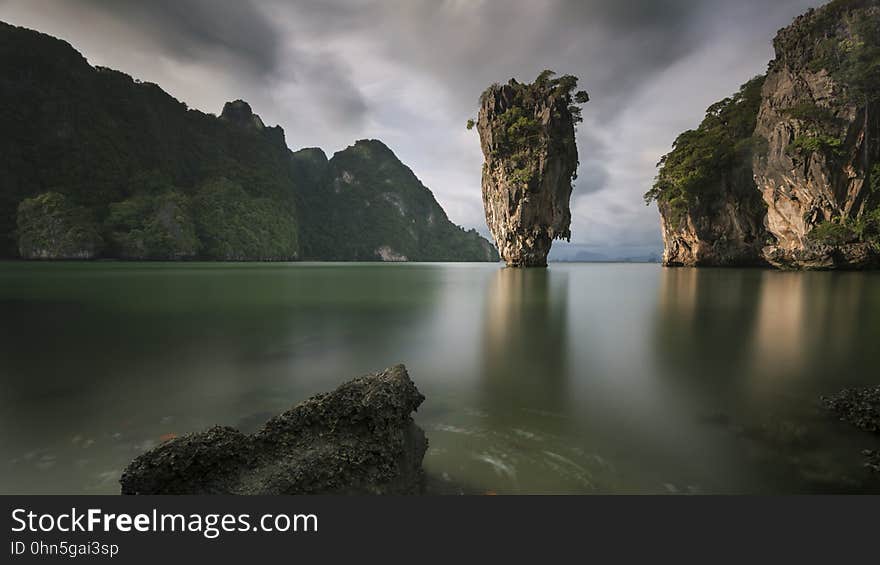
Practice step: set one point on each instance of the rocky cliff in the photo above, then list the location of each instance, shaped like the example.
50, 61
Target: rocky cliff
711, 211
358, 439
527, 138
101, 152
786, 172
819, 117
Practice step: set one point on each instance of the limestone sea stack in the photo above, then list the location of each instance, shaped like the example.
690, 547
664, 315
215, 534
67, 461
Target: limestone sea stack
358, 439
527, 135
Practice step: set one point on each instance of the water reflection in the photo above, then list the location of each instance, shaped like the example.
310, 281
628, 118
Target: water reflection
771, 326
705, 318
807, 324
525, 342
752, 351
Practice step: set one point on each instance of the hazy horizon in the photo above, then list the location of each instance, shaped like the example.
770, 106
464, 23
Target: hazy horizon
333, 72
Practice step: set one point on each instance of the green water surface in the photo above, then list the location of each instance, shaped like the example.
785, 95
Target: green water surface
578, 379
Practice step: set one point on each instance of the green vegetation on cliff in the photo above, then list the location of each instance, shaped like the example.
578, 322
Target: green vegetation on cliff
234, 226
50, 227
840, 231
720, 147
843, 38
152, 226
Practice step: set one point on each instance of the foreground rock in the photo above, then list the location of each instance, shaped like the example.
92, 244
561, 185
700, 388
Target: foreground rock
527, 137
358, 439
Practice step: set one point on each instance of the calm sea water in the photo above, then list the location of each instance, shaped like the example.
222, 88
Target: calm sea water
578, 379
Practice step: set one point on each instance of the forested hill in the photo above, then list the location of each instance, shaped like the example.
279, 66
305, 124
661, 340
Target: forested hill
95, 164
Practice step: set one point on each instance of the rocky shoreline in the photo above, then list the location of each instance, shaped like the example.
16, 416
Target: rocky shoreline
358, 439
859, 407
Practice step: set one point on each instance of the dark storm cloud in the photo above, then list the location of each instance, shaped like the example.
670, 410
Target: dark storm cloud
198, 28
409, 72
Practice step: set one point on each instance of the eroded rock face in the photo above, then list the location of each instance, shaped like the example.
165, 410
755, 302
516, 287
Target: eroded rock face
358, 439
822, 140
527, 137
718, 232
710, 209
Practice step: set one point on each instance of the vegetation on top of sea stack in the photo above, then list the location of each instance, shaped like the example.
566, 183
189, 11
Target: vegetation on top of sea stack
722, 143
519, 134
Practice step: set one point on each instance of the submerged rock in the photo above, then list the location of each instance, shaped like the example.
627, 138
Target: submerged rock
358, 439
858, 406
527, 138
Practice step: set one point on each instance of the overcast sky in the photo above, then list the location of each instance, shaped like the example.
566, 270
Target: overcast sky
409, 72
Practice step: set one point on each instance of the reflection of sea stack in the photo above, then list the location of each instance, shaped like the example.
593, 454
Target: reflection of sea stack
525, 349
527, 138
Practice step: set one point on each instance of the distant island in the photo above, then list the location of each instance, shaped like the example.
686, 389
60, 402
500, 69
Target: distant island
99, 165
786, 172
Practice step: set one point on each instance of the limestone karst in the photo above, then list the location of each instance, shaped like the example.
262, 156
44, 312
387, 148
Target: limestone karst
786, 172
527, 135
